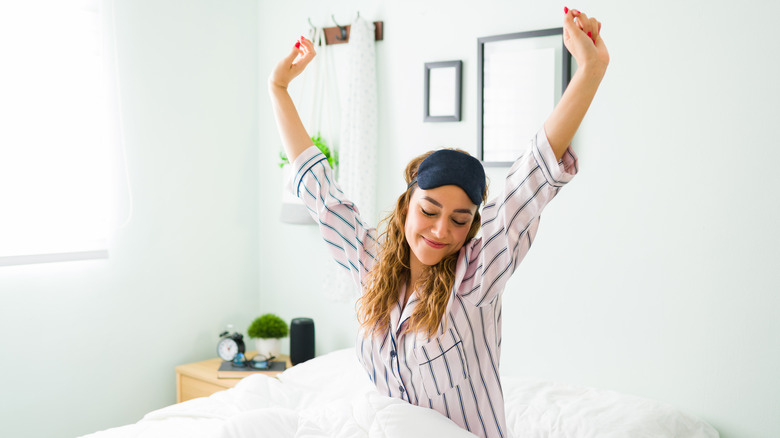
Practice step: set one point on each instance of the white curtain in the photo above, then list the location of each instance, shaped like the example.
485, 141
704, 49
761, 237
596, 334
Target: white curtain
358, 145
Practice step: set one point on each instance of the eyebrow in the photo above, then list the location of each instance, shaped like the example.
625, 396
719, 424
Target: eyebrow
438, 204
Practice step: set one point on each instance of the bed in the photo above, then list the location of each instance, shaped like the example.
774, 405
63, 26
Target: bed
330, 396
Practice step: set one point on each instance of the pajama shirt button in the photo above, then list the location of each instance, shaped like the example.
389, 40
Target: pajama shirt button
392, 353
401, 388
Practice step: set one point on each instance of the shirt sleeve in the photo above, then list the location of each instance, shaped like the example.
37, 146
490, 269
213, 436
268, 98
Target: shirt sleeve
511, 219
352, 244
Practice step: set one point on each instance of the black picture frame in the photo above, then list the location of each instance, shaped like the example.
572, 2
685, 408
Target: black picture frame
515, 90
443, 84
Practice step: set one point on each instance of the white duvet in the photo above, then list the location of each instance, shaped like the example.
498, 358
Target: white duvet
330, 396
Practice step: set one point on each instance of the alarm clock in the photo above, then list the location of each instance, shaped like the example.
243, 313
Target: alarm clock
230, 345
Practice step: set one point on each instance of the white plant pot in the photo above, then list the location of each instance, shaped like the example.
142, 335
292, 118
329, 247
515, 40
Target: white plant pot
268, 346
293, 209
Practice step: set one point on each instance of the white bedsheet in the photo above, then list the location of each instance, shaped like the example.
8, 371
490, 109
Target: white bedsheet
330, 396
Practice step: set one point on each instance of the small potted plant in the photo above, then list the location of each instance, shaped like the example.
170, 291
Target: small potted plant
293, 210
267, 331
331, 155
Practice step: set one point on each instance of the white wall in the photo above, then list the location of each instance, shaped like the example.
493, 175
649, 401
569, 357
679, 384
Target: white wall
93, 344
654, 271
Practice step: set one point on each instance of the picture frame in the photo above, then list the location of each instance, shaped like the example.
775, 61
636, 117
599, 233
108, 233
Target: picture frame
521, 77
443, 84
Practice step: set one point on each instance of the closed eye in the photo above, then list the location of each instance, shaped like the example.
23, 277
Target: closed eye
429, 214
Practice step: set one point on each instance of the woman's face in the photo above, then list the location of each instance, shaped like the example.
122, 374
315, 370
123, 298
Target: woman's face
437, 223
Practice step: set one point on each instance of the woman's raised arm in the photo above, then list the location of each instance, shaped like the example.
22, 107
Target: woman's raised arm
295, 139
583, 40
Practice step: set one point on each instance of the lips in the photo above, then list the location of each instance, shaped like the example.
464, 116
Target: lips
433, 244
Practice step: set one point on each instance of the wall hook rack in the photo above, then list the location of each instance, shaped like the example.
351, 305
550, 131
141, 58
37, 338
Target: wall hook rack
342, 30
312, 29
340, 34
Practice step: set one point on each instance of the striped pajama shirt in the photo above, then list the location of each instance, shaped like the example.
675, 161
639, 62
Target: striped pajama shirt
456, 371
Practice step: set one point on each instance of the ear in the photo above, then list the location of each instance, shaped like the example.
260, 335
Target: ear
402, 210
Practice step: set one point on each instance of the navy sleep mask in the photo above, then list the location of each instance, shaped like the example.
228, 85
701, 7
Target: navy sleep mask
449, 167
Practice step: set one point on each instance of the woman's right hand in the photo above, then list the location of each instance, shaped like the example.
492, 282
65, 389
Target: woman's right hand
293, 64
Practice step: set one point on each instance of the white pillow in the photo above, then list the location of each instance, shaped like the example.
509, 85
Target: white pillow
540, 409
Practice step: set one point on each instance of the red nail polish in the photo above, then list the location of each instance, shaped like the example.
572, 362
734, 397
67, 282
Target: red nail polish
297, 44
590, 35
565, 10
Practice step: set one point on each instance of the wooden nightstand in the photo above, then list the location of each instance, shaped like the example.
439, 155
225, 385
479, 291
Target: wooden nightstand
199, 379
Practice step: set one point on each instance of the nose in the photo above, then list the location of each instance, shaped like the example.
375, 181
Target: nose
440, 228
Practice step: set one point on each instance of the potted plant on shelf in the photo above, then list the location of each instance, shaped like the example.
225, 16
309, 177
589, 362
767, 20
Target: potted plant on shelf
267, 331
293, 210
331, 155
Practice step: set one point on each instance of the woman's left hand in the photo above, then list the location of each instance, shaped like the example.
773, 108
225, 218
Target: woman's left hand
582, 37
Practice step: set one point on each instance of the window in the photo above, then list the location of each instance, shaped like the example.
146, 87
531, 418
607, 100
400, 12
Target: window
54, 173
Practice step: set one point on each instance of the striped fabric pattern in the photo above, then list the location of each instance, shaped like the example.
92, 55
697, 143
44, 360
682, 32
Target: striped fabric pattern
456, 371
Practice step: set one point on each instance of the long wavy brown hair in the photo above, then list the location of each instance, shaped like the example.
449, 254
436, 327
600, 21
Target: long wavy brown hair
392, 269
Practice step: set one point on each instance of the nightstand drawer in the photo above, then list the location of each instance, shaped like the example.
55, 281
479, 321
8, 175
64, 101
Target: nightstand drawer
199, 379
194, 388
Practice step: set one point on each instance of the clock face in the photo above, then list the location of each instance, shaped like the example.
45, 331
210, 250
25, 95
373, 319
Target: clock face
227, 349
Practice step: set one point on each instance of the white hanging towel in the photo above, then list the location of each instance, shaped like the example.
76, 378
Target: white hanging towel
358, 146
358, 152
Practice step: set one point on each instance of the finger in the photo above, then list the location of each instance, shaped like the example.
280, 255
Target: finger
306, 54
582, 21
588, 25
591, 28
291, 56
575, 14
306, 43
308, 48
596, 28
568, 23
572, 28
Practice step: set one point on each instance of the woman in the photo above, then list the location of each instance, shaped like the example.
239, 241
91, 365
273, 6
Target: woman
430, 310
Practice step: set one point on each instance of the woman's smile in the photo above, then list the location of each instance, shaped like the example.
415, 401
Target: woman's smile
434, 244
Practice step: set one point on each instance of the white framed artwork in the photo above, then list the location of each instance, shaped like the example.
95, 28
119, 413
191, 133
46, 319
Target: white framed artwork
521, 77
443, 82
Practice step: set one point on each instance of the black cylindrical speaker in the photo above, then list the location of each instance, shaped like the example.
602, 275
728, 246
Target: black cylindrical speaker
301, 340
